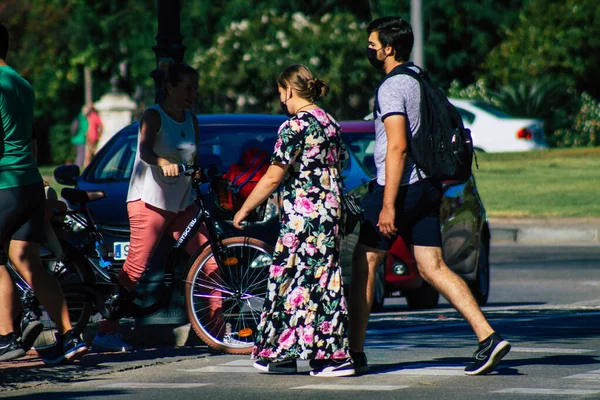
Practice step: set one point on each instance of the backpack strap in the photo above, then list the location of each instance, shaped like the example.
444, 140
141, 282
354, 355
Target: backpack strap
402, 69
254, 167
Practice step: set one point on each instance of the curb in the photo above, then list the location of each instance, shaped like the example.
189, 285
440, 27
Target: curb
545, 230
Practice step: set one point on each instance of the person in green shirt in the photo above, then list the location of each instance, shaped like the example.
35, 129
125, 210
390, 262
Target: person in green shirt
22, 200
79, 129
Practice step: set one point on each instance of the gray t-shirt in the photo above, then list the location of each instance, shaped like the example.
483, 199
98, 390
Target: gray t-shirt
398, 95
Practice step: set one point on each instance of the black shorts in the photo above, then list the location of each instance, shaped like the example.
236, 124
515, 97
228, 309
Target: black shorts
417, 215
21, 215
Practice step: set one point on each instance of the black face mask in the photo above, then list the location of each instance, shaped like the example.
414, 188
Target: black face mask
372, 56
284, 108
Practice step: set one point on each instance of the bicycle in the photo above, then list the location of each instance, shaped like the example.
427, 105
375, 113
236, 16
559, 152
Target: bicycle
223, 306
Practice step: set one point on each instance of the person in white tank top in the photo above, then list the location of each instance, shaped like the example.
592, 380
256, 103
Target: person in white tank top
158, 196
159, 200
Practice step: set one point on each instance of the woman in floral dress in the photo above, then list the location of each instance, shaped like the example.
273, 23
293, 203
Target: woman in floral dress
304, 313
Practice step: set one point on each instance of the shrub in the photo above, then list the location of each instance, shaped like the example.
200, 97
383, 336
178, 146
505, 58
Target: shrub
546, 99
475, 91
61, 149
585, 130
239, 70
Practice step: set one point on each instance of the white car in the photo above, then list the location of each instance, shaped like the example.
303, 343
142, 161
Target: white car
495, 131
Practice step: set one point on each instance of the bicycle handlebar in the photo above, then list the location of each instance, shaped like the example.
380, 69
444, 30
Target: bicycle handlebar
187, 169
206, 174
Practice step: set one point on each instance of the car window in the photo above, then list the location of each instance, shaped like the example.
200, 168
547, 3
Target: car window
491, 109
467, 117
362, 145
223, 145
116, 163
220, 145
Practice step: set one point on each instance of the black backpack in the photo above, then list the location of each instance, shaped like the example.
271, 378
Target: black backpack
442, 147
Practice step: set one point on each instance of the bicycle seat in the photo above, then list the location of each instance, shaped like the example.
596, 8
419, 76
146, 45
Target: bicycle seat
81, 197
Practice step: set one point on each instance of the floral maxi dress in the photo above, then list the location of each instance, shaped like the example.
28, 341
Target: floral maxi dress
304, 313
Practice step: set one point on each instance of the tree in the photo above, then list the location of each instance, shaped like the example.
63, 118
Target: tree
558, 39
458, 34
240, 69
53, 41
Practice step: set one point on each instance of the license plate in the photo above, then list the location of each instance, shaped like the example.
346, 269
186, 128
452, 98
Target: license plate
121, 249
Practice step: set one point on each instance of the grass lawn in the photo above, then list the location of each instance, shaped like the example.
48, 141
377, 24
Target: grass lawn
47, 172
548, 183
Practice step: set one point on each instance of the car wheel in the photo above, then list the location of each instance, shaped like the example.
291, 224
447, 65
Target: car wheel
480, 287
379, 296
423, 298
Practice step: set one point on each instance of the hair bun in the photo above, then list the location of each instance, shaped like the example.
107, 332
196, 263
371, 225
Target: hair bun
319, 89
301, 80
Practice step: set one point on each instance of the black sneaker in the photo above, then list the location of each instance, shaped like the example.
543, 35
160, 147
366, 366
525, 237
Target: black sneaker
488, 355
287, 366
30, 328
359, 359
334, 368
66, 349
11, 348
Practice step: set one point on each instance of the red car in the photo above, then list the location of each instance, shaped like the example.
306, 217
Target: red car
464, 226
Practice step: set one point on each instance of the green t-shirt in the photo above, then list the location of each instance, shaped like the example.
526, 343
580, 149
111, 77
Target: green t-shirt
17, 165
82, 128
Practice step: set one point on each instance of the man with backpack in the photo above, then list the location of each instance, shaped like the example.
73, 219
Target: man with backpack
404, 199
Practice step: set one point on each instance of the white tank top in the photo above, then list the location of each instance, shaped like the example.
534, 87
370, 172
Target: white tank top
176, 142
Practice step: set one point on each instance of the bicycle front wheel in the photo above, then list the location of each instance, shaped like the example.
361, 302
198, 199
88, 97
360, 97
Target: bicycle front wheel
224, 305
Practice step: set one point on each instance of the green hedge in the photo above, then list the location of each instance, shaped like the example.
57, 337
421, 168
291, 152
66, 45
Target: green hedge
61, 149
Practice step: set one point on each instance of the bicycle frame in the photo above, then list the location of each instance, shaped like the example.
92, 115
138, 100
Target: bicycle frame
204, 215
89, 240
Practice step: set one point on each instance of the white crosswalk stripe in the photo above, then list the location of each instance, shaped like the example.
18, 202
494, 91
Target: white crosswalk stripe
549, 350
218, 368
544, 391
353, 388
590, 376
153, 385
390, 346
240, 366
429, 370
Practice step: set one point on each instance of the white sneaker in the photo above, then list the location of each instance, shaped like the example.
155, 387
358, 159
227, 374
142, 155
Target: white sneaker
334, 368
110, 342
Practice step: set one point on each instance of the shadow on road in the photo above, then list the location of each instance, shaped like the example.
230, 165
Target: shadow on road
32, 369
507, 367
439, 364
72, 395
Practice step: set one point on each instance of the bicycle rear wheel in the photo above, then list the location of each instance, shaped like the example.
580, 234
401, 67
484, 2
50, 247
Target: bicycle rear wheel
224, 305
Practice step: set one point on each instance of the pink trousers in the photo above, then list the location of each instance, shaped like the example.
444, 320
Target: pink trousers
147, 225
